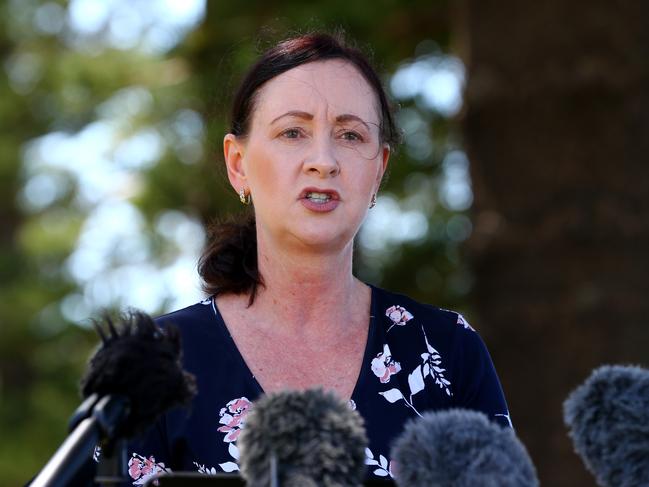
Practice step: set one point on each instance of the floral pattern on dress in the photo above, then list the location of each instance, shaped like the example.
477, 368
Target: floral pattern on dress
383, 465
141, 469
508, 417
205, 470
399, 316
384, 366
233, 418
462, 321
431, 366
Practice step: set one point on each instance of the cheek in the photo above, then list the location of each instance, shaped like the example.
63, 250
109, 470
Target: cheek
365, 176
263, 173
266, 172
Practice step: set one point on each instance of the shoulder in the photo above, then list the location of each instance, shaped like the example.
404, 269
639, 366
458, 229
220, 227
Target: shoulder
205, 346
410, 328
431, 342
195, 318
398, 310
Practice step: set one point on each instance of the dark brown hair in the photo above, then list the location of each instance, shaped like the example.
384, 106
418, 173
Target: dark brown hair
229, 262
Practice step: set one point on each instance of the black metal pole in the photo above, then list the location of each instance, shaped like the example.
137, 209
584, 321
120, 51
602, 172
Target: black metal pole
101, 425
71, 456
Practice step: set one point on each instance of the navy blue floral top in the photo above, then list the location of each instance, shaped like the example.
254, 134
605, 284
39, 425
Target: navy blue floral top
417, 358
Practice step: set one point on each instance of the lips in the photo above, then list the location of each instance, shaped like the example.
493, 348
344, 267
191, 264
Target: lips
317, 195
319, 200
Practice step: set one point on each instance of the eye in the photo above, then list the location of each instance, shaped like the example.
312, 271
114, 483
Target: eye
351, 136
292, 133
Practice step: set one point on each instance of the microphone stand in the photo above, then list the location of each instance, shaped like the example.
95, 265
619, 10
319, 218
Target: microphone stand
96, 421
274, 478
112, 464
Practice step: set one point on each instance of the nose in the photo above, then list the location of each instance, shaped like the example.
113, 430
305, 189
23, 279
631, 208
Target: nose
322, 160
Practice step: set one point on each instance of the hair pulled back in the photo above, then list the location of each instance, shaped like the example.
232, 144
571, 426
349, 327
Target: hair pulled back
229, 262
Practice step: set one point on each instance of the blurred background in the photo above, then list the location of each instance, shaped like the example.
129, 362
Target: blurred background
520, 196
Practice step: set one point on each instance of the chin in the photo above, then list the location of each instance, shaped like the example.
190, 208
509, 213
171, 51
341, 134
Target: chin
321, 240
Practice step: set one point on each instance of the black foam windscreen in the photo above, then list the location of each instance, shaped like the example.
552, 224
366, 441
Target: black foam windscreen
313, 436
139, 360
460, 448
608, 419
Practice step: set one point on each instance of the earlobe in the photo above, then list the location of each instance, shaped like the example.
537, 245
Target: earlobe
233, 153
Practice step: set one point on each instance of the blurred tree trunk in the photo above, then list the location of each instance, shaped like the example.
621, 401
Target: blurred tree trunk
556, 126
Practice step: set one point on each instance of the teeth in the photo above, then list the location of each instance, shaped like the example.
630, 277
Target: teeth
318, 197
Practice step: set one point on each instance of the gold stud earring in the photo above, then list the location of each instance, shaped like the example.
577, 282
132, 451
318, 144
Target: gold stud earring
244, 197
373, 201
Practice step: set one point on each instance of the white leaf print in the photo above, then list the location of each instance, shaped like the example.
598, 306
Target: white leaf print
508, 417
234, 451
416, 381
380, 472
428, 345
426, 369
384, 462
205, 470
369, 457
462, 321
393, 395
432, 366
229, 466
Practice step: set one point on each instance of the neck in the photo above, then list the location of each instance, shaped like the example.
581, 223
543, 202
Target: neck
308, 290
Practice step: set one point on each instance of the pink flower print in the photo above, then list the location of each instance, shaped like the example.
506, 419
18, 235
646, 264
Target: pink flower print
232, 417
141, 468
398, 315
232, 433
384, 366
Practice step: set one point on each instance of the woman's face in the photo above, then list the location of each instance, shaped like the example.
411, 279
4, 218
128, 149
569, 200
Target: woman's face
313, 156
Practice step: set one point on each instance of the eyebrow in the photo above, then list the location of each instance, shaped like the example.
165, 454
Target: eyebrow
345, 117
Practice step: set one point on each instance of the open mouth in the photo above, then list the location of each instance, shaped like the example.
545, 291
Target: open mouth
318, 197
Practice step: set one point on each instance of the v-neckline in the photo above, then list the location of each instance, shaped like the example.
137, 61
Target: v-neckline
367, 352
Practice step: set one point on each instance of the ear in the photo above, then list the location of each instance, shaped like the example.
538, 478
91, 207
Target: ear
233, 153
385, 156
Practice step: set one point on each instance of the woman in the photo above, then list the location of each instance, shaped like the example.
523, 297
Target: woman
310, 141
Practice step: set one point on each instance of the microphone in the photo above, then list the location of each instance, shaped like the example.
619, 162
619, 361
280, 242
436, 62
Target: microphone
131, 380
461, 448
302, 438
141, 361
608, 419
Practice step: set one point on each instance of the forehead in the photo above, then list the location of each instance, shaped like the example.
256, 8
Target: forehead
331, 87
